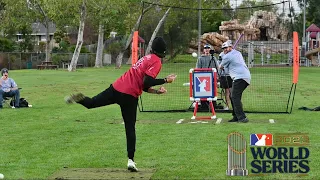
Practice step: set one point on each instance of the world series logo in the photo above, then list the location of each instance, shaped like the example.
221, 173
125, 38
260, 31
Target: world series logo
275, 153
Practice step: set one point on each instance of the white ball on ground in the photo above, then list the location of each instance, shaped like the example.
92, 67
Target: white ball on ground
1, 176
194, 54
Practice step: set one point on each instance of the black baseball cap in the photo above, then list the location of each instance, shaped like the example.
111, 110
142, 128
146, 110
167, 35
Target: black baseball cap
4, 70
159, 46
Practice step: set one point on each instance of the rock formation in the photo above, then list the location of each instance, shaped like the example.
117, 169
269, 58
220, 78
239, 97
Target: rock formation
213, 38
262, 26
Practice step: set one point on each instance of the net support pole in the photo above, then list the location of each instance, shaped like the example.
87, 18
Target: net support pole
199, 28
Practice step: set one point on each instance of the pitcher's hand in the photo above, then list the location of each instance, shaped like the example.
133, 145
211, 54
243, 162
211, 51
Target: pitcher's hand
170, 78
161, 90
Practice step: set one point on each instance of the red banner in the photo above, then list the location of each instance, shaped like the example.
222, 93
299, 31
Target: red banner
135, 47
296, 58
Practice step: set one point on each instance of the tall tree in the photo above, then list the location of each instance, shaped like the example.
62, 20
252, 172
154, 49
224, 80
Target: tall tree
156, 31
15, 17
312, 11
177, 26
244, 14
74, 61
36, 5
129, 38
106, 15
22, 13
181, 25
254, 5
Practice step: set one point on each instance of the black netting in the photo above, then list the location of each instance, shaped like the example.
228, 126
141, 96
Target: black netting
266, 48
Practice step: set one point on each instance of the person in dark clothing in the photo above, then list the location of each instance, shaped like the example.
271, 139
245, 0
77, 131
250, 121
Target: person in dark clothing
310, 109
225, 81
126, 90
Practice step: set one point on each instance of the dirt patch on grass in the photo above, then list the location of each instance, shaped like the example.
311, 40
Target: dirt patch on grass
100, 173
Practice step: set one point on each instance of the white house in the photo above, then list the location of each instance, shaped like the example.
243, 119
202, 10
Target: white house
39, 33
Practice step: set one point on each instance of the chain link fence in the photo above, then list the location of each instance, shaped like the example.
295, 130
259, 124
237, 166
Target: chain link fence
25, 60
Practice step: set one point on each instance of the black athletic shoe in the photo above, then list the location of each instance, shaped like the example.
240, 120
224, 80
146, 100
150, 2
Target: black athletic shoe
245, 120
233, 120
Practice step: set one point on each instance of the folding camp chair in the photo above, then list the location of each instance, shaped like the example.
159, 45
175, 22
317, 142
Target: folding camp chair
7, 100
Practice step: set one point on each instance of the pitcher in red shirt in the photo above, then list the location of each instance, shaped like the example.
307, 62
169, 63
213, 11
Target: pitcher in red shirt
126, 90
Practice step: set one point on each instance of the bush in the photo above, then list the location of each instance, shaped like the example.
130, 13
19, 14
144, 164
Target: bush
58, 36
73, 47
63, 47
6, 45
42, 46
57, 59
55, 50
114, 48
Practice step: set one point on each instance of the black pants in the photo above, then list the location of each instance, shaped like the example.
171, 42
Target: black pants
238, 86
128, 105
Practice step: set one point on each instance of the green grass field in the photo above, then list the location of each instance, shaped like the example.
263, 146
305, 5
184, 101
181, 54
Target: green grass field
36, 142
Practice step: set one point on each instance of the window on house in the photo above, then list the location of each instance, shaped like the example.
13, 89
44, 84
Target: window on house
43, 38
19, 38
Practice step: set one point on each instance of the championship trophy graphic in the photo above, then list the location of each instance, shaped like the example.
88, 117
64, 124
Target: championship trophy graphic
237, 158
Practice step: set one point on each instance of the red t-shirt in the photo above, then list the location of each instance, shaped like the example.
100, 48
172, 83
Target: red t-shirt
131, 82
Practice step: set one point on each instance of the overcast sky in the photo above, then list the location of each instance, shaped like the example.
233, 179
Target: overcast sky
235, 3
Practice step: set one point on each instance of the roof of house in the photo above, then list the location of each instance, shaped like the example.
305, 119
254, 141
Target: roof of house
39, 29
313, 28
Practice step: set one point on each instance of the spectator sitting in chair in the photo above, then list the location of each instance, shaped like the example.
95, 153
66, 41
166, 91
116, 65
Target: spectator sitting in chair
8, 88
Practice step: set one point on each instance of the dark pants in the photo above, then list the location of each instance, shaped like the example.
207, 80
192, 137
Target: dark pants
128, 105
238, 86
13, 93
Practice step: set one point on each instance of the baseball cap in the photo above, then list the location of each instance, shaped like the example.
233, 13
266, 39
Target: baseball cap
207, 46
4, 70
159, 45
226, 44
